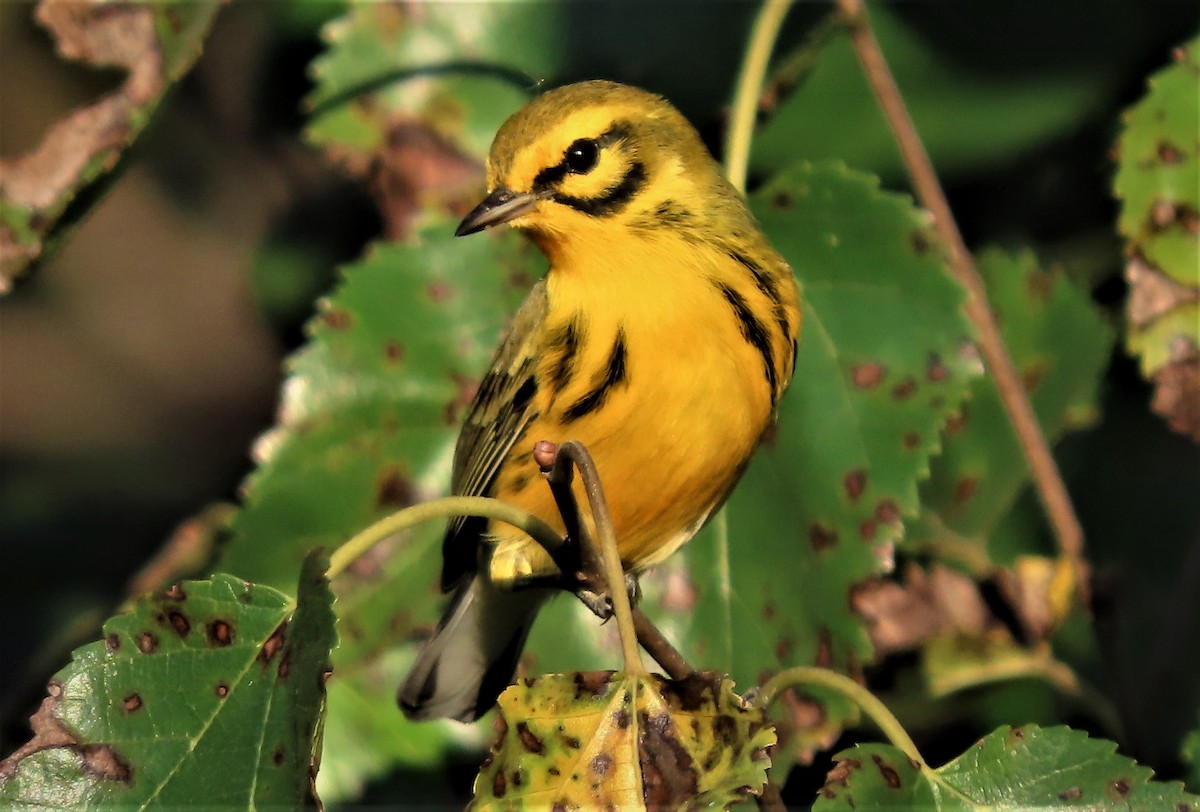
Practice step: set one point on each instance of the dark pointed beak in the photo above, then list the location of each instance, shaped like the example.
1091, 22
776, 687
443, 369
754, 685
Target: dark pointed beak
498, 207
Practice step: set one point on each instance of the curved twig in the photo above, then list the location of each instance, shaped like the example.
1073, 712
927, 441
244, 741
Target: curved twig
576, 453
840, 683
1046, 476
659, 647
749, 88
867, 702
445, 508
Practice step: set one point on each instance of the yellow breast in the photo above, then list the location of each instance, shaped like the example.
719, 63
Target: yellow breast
644, 360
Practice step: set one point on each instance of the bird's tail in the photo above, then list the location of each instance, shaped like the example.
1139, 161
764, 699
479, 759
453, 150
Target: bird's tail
473, 654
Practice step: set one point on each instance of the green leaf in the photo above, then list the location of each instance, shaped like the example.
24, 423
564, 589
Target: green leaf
458, 69
1010, 768
1060, 346
373, 402
965, 118
874, 777
880, 369
1158, 184
367, 425
1191, 755
462, 68
213, 689
1158, 170
156, 44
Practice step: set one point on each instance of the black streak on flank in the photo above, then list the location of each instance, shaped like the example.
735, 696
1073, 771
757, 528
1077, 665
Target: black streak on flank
753, 331
612, 201
764, 282
767, 285
568, 338
614, 375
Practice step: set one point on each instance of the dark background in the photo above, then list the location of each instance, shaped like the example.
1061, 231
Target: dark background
141, 360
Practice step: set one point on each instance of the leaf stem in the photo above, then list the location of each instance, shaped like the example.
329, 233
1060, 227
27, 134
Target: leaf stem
749, 88
1046, 476
839, 683
610, 556
883, 718
659, 647
445, 508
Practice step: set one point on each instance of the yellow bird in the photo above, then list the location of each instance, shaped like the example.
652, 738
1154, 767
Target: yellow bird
662, 338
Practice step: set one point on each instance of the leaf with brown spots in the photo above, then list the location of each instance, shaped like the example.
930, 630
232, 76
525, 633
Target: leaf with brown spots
421, 138
1050, 326
1022, 768
362, 432
1158, 184
131, 725
156, 44
874, 778
604, 740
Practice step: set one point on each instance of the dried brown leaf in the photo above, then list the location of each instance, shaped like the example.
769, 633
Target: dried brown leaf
155, 44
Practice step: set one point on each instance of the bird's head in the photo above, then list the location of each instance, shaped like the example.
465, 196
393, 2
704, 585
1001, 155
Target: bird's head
598, 156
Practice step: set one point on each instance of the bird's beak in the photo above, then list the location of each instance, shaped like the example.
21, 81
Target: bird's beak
499, 207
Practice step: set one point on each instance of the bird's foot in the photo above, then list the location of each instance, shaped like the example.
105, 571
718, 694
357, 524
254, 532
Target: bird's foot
593, 591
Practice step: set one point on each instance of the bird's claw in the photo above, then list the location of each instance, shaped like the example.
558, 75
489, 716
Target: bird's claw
595, 595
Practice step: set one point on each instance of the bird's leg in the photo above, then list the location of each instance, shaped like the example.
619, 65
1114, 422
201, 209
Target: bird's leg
583, 572
592, 590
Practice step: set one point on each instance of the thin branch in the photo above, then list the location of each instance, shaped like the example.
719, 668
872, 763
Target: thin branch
446, 508
769, 800
586, 571
749, 88
576, 453
839, 683
659, 647
1045, 472
584, 568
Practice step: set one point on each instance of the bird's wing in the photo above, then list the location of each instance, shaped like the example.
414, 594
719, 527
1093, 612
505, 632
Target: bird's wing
502, 408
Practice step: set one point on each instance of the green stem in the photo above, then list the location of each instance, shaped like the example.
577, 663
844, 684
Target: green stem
883, 718
720, 525
749, 88
860, 696
445, 508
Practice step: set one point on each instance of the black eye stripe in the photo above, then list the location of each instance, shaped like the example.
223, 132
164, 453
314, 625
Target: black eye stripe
612, 201
552, 175
549, 177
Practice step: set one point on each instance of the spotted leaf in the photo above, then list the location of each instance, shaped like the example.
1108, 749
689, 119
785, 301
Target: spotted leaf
1010, 768
367, 424
605, 740
212, 689
1158, 184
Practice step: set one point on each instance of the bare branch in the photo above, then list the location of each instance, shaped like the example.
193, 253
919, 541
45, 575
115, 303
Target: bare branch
929, 192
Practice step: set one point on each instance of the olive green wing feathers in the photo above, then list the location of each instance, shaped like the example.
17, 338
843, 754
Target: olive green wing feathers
503, 406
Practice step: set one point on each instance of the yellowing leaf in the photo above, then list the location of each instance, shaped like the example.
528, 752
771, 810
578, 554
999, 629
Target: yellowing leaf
606, 740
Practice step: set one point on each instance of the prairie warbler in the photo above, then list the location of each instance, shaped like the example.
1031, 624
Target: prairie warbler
662, 338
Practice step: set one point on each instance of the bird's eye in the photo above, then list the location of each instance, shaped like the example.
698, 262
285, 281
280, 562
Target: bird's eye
582, 156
